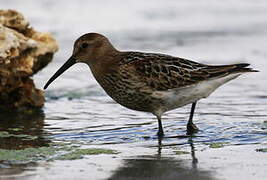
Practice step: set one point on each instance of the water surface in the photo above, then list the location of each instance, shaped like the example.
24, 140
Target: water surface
78, 111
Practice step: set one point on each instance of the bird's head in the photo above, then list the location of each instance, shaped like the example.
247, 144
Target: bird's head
90, 48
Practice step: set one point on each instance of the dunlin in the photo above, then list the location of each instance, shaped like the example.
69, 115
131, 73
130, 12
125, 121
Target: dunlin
149, 82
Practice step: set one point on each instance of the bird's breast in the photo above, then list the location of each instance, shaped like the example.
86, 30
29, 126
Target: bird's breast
129, 92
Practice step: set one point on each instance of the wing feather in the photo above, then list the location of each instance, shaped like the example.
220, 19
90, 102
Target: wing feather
163, 72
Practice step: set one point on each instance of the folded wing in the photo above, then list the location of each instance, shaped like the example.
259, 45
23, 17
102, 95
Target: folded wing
163, 72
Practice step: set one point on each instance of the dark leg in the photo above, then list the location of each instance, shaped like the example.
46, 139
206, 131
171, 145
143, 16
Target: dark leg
191, 128
160, 132
159, 148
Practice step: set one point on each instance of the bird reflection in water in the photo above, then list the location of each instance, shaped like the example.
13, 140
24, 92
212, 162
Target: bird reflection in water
159, 167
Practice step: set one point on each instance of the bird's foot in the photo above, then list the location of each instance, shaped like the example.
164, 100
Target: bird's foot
191, 129
160, 134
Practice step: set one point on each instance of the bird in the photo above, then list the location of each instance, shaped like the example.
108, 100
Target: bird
149, 82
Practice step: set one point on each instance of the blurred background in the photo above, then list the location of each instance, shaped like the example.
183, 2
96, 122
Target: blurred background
207, 31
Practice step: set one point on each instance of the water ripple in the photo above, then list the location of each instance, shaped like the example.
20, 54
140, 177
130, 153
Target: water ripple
98, 122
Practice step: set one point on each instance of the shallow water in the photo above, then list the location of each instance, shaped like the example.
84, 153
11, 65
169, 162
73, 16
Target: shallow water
79, 112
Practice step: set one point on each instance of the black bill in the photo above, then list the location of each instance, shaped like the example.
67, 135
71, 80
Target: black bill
61, 70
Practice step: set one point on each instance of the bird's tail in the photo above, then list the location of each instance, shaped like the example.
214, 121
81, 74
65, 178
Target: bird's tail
223, 70
243, 67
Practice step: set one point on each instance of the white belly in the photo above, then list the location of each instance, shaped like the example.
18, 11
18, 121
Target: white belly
179, 97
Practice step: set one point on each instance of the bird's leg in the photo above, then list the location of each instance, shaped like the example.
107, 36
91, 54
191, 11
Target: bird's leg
191, 128
160, 131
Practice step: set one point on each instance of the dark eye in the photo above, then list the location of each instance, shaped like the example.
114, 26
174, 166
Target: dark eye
84, 45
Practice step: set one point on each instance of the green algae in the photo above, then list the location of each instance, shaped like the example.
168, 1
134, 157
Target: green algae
5, 134
264, 125
217, 144
55, 151
27, 154
15, 129
69, 150
80, 153
70, 156
262, 150
181, 152
95, 151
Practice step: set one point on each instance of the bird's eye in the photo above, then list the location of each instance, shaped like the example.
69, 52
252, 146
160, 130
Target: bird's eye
84, 45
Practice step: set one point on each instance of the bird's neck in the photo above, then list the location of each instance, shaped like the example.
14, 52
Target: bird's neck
105, 63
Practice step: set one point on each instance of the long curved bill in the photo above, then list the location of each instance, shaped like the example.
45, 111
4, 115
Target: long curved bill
61, 70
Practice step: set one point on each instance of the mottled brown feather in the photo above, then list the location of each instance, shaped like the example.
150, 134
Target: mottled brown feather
163, 72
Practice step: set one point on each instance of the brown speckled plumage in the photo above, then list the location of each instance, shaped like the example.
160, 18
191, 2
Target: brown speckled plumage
149, 82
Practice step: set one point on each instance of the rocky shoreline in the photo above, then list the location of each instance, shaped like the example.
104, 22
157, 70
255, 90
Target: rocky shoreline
23, 52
